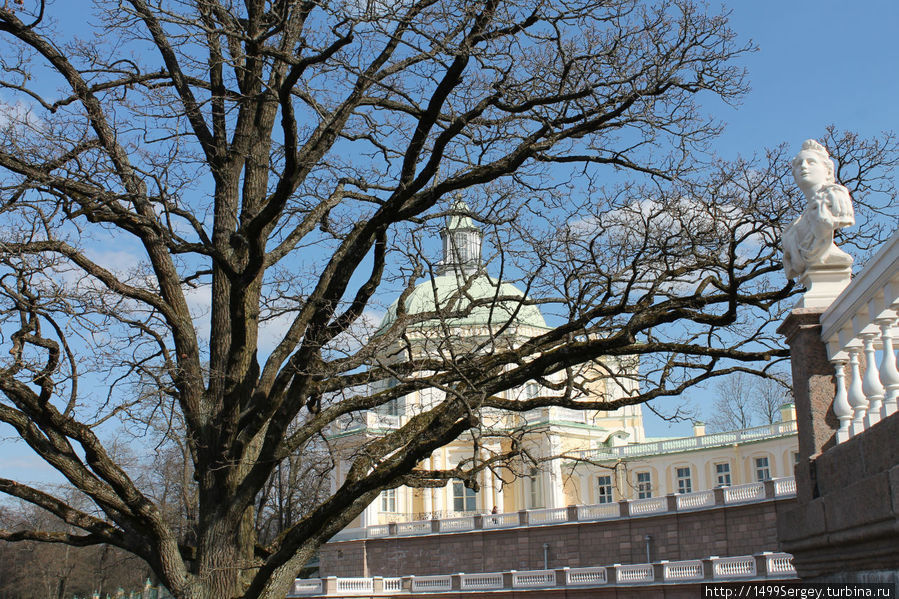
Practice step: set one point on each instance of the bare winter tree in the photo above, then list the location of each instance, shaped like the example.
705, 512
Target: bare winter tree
205, 203
744, 400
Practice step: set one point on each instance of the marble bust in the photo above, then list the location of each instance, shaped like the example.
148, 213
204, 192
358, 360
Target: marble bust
808, 243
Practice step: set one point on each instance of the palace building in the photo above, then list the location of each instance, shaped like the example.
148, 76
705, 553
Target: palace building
576, 457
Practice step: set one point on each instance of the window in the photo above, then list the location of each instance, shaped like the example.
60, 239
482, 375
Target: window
531, 390
604, 489
762, 470
644, 485
392, 407
684, 480
722, 472
388, 500
464, 499
535, 489
795, 455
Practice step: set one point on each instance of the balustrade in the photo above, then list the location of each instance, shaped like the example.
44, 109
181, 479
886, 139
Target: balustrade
503, 520
755, 433
733, 567
652, 505
862, 321
355, 586
533, 579
547, 516
480, 582
585, 576
683, 570
694, 501
602, 511
419, 527
457, 524
743, 493
764, 566
634, 573
431, 583
583, 513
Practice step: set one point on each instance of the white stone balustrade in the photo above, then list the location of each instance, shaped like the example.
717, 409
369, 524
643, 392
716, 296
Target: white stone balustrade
734, 567
575, 577
762, 566
431, 583
355, 586
503, 520
480, 582
638, 508
547, 515
862, 322
682, 570
634, 573
532, 579
755, 433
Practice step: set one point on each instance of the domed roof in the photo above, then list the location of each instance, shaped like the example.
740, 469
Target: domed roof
451, 294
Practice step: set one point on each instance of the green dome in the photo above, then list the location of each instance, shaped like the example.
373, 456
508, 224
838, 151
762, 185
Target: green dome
445, 288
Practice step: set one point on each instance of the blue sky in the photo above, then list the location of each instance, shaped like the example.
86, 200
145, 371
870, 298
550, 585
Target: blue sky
819, 63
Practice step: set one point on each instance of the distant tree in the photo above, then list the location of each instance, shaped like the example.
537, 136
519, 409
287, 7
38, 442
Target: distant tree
36, 570
745, 400
204, 202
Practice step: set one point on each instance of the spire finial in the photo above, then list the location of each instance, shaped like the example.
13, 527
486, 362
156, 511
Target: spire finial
461, 239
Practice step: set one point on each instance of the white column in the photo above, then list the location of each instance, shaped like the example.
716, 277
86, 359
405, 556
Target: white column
856, 393
556, 495
370, 513
428, 493
500, 493
889, 375
335, 475
871, 382
489, 500
841, 407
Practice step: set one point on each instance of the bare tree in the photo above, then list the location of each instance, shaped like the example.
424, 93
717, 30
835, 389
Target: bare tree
35, 570
744, 400
204, 203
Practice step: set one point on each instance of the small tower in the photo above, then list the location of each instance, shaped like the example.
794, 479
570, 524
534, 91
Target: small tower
461, 241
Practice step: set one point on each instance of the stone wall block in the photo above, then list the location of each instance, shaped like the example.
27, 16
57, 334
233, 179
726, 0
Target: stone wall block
865, 502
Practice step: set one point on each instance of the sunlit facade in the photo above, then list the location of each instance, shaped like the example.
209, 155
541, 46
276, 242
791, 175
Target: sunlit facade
604, 457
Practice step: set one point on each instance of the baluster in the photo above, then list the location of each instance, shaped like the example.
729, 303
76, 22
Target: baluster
841, 407
889, 375
856, 393
871, 383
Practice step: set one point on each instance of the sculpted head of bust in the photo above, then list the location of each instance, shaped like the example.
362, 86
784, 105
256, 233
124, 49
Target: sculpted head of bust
809, 250
812, 167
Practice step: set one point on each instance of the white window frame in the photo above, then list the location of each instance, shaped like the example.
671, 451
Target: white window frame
464, 497
604, 492
388, 501
684, 478
644, 484
762, 472
535, 498
722, 474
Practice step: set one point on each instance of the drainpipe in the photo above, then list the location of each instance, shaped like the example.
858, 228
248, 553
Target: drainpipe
648, 539
546, 556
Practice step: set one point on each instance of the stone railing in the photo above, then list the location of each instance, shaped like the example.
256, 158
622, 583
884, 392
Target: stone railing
859, 322
723, 496
756, 433
762, 566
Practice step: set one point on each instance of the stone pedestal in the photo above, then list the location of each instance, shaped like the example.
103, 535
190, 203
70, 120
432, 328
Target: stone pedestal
813, 392
823, 283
